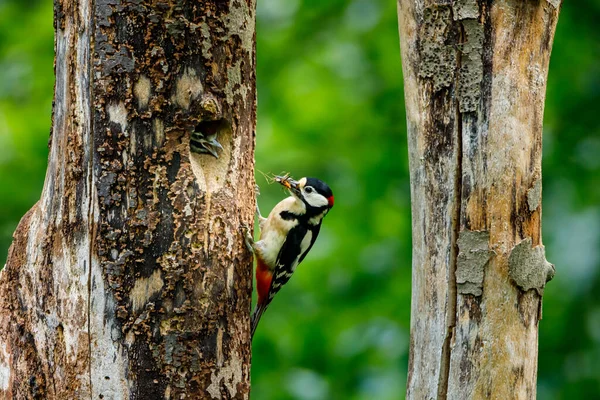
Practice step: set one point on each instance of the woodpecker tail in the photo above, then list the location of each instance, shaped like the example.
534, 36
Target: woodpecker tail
258, 312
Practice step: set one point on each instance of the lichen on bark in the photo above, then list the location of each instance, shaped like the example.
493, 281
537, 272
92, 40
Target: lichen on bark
463, 9
470, 73
528, 266
474, 254
437, 57
534, 195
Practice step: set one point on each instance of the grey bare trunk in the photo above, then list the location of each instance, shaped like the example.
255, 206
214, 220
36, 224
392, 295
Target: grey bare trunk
475, 81
129, 279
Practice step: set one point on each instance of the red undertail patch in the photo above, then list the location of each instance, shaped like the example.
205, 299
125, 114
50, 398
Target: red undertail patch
263, 281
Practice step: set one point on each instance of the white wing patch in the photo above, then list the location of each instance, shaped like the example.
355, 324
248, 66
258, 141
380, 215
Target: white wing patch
304, 245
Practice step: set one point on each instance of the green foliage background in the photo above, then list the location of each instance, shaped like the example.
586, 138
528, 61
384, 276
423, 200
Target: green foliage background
331, 105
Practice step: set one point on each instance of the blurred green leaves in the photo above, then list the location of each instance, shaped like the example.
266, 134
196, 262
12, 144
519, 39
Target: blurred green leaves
331, 105
26, 89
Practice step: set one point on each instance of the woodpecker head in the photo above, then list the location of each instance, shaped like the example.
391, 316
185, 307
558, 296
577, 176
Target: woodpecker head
313, 192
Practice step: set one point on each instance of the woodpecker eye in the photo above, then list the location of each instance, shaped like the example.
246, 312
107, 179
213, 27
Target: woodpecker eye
308, 189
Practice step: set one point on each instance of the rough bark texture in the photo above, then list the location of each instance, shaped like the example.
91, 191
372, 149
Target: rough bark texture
130, 278
475, 78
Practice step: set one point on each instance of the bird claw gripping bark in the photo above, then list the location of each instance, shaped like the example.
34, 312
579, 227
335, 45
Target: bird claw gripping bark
248, 238
257, 193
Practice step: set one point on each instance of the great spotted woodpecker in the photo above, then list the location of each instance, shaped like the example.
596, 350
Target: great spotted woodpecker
286, 236
202, 143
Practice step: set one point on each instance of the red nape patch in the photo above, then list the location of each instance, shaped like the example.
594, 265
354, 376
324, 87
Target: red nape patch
263, 281
330, 199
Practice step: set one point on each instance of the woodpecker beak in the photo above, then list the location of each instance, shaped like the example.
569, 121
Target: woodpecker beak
214, 144
290, 184
200, 143
295, 188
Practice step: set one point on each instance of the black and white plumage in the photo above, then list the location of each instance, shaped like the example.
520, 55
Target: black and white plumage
286, 237
298, 243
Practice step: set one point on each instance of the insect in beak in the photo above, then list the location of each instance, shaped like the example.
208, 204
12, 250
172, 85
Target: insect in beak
288, 183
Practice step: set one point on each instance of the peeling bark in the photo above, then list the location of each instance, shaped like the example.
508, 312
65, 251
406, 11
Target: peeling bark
130, 277
475, 80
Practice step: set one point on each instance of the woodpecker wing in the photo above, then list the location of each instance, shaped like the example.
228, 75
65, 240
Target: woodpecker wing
298, 242
315, 232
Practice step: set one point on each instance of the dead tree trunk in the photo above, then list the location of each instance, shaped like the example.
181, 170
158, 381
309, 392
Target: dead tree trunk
130, 278
475, 80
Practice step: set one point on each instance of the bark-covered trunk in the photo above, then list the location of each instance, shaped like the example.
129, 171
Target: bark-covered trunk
130, 278
475, 80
